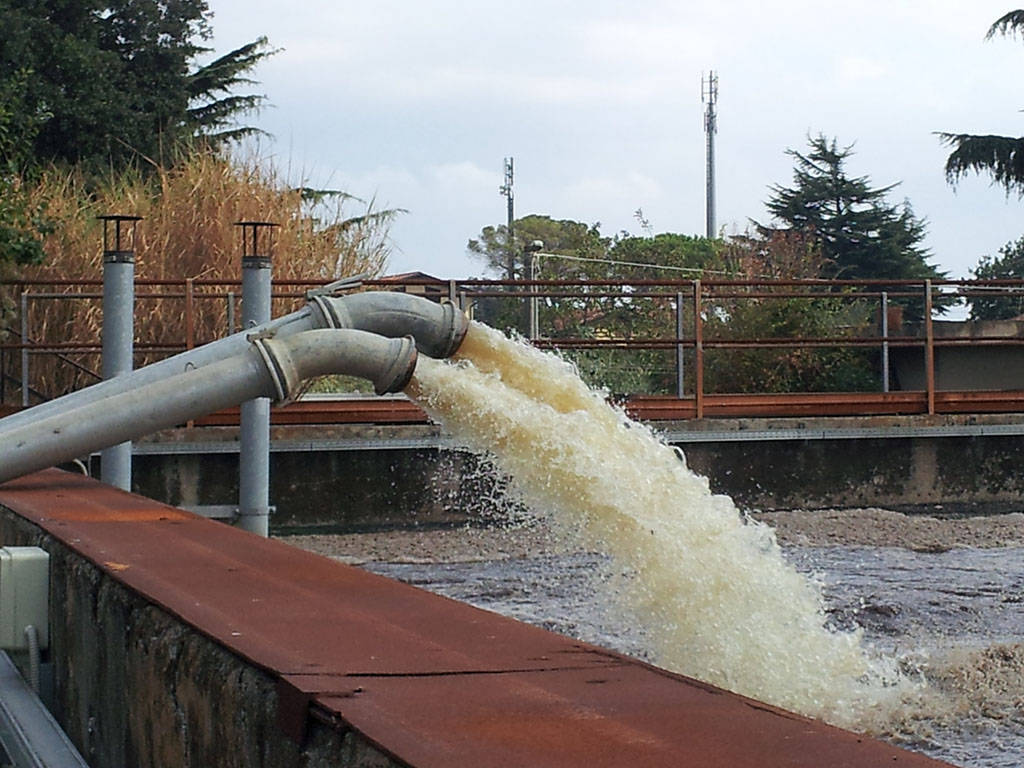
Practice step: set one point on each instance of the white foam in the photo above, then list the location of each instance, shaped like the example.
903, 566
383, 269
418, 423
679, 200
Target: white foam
716, 597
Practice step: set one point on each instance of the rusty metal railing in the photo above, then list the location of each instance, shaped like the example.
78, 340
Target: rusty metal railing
695, 325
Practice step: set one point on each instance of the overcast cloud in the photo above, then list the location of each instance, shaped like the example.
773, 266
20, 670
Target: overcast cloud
416, 104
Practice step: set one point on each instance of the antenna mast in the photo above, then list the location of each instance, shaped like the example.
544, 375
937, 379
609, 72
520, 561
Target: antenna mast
709, 96
506, 191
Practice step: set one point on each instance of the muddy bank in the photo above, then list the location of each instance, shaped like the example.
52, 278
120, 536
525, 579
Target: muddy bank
847, 527
885, 528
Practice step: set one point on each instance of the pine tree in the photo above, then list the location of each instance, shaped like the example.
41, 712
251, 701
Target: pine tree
1000, 156
105, 83
860, 234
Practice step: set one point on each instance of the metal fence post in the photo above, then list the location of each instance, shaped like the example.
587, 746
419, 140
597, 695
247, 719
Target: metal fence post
885, 341
698, 344
190, 317
25, 400
231, 313
254, 430
679, 346
929, 347
118, 328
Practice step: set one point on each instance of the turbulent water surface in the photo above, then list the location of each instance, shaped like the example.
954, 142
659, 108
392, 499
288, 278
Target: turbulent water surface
870, 639
957, 617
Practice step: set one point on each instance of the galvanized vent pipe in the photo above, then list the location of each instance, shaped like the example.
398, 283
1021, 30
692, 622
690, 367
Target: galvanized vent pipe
268, 367
437, 328
254, 420
118, 328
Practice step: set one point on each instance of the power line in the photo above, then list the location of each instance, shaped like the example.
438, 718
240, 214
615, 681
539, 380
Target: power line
634, 264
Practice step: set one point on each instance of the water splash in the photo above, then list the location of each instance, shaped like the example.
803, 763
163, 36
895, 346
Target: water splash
716, 597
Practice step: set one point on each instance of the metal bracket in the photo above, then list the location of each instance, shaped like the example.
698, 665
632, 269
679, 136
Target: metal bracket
338, 286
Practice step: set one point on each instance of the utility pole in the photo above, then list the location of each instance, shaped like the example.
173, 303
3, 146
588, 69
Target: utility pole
709, 96
506, 190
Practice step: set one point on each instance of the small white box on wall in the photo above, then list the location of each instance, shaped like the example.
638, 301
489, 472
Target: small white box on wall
24, 596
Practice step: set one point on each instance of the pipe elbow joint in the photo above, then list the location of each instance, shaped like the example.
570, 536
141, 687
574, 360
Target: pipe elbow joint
388, 363
438, 329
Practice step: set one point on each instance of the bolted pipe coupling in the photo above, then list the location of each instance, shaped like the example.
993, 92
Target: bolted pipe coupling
387, 363
438, 329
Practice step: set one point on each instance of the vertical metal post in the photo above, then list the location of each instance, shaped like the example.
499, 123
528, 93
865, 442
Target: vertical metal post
231, 313
190, 317
254, 432
885, 341
698, 343
532, 312
25, 399
679, 346
118, 329
929, 347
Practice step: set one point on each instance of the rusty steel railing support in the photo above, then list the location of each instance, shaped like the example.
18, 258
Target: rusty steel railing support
25, 388
929, 348
190, 313
885, 341
680, 371
698, 345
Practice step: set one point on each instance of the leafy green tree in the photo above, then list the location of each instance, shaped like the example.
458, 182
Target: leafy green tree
1001, 304
116, 80
1002, 157
860, 234
577, 242
23, 222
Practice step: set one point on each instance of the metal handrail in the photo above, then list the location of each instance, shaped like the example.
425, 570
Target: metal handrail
696, 295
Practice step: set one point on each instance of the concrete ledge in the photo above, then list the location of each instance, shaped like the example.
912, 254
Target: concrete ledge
183, 642
364, 477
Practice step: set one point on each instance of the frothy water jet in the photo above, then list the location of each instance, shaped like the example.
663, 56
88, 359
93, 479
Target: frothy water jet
717, 599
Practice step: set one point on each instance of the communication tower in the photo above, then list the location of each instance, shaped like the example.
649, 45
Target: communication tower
709, 96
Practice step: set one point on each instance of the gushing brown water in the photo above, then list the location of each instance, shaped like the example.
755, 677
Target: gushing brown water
712, 589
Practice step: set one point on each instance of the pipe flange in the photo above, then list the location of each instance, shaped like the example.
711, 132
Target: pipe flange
332, 312
277, 370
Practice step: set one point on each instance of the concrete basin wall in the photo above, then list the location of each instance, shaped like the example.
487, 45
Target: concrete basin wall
178, 641
135, 686
887, 462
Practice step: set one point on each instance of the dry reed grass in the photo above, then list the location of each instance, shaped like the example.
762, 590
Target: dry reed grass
188, 230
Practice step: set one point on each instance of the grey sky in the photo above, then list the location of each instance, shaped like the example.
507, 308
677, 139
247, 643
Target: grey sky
417, 104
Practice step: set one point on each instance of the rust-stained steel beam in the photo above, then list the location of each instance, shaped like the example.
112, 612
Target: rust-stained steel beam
430, 681
668, 408
660, 408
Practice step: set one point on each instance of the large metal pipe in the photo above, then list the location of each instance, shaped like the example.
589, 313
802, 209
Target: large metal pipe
437, 328
272, 368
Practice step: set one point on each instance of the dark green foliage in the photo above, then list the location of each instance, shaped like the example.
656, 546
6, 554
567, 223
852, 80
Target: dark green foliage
861, 236
577, 251
795, 368
107, 83
214, 107
101, 85
565, 237
23, 222
1000, 303
1002, 157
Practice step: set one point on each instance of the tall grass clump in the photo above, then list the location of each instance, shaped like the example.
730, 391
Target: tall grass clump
189, 211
